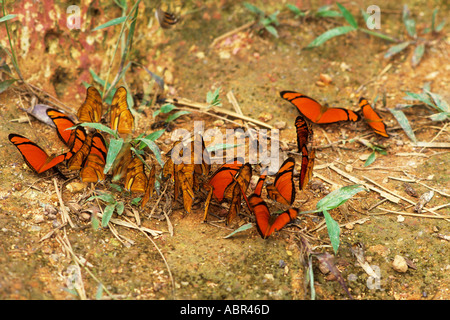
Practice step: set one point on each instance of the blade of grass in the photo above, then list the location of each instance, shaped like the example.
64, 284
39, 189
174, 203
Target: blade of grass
338, 31
348, 16
396, 49
110, 23
378, 34
8, 17
418, 54
115, 145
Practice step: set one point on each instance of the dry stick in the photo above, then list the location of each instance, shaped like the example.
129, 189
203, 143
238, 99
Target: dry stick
157, 202
203, 107
229, 33
401, 197
64, 214
435, 137
59, 103
358, 181
423, 184
233, 101
412, 214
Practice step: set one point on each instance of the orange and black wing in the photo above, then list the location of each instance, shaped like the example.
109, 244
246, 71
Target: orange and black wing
283, 189
135, 179
239, 188
304, 132
224, 176
121, 118
372, 118
35, 157
307, 167
92, 108
315, 111
260, 183
149, 188
267, 224
95, 162
62, 123
78, 157
166, 19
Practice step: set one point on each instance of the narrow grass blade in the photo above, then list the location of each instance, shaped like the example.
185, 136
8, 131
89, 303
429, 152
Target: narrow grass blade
110, 23
97, 126
107, 214
338, 31
378, 34
8, 17
154, 148
176, 115
348, 16
396, 49
404, 123
240, 229
370, 159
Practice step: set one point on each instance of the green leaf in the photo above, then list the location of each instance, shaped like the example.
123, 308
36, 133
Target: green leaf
167, 108
272, 31
95, 222
295, 10
115, 145
154, 148
152, 136
106, 197
396, 49
418, 54
347, 15
253, 9
409, 22
439, 102
6, 84
120, 207
419, 96
440, 26
370, 159
433, 19
325, 12
176, 115
98, 126
338, 197
440, 116
107, 214
110, 23
221, 146
8, 17
240, 229
338, 31
333, 231
404, 123
378, 34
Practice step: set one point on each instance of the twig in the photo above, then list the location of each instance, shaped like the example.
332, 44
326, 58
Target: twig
435, 137
157, 202
413, 214
203, 107
64, 214
358, 181
229, 33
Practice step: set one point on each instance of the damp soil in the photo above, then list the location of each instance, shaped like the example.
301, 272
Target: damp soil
190, 259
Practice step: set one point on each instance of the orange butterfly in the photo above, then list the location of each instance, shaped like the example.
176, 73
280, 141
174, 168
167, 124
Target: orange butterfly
76, 160
220, 180
92, 108
35, 157
304, 132
283, 190
306, 167
121, 118
74, 139
135, 178
236, 190
316, 112
372, 118
260, 183
267, 224
166, 20
95, 162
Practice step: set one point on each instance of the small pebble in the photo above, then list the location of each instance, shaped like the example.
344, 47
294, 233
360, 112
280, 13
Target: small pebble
399, 264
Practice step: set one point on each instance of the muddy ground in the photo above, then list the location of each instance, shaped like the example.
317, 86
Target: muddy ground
190, 259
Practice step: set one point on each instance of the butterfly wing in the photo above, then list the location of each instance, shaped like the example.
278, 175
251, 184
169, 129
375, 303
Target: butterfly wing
316, 112
372, 118
92, 108
304, 132
62, 123
240, 186
283, 190
34, 156
307, 167
149, 188
121, 118
166, 19
94, 165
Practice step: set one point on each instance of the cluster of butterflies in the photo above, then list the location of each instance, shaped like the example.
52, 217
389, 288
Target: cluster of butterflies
189, 167
87, 148
230, 182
